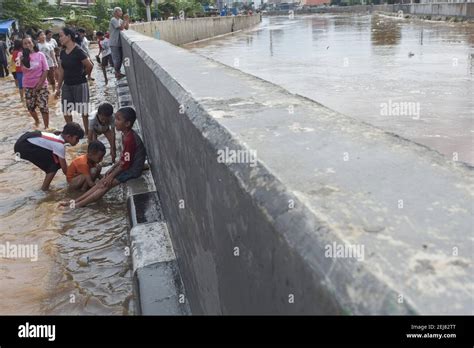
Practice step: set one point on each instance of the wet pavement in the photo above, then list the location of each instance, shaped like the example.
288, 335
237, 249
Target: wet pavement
410, 77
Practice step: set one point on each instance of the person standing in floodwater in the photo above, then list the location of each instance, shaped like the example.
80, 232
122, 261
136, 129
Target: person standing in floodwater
48, 51
3, 59
35, 70
115, 27
18, 74
74, 66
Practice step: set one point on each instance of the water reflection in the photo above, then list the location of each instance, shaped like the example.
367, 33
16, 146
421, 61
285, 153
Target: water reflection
385, 32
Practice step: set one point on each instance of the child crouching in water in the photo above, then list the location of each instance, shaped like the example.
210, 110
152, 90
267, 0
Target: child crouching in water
130, 165
85, 169
47, 150
103, 122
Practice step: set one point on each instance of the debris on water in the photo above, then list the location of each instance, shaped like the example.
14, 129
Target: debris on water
83, 261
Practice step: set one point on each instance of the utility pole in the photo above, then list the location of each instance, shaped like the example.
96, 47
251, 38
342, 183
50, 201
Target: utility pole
147, 4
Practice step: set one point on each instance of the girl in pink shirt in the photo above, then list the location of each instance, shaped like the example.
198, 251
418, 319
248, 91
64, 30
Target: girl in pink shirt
35, 70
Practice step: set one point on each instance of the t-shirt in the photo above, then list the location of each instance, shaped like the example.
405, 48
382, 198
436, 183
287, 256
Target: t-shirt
48, 51
51, 142
85, 45
53, 43
74, 72
80, 165
38, 65
114, 30
133, 154
98, 127
105, 45
16, 58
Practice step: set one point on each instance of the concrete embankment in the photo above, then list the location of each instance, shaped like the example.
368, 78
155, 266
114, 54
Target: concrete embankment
158, 286
310, 212
180, 32
442, 9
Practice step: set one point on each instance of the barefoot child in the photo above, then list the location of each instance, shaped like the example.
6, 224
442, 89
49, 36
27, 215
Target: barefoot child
85, 169
103, 122
47, 150
131, 161
105, 53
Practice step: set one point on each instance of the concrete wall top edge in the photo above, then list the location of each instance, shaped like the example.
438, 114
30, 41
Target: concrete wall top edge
398, 199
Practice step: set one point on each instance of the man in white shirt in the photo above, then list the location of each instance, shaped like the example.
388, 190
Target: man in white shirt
115, 27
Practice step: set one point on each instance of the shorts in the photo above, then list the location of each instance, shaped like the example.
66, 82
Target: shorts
75, 98
125, 176
106, 61
37, 98
39, 156
19, 78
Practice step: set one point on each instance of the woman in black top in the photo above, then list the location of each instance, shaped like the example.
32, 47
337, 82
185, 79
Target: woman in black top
73, 68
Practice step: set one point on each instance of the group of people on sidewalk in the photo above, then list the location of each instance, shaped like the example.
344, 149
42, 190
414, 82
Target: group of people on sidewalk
67, 67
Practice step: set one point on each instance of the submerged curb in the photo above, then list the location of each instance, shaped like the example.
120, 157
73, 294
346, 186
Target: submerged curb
157, 281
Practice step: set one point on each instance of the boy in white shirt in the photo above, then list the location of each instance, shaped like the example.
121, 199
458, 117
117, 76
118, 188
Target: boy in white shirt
47, 150
105, 53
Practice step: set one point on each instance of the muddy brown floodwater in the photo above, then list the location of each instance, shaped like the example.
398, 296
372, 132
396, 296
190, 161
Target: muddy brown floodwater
61, 281
366, 67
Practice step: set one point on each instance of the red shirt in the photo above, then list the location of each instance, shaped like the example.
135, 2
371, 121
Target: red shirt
17, 62
129, 150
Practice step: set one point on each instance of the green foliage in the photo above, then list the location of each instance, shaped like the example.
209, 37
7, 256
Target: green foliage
82, 22
29, 13
191, 8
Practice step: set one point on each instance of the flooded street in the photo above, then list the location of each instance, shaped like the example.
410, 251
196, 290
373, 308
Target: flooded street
60, 281
410, 77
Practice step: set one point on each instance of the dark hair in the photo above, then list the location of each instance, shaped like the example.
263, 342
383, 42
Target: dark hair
128, 114
73, 129
47, 32
105, 109
39, 33
26, 53
17, 45
99, 33
81, 30
72, 34
96, 146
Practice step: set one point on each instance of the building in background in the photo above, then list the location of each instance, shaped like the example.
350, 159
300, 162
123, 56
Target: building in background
315, 2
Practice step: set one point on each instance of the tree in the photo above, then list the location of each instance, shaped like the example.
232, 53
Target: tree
27, 13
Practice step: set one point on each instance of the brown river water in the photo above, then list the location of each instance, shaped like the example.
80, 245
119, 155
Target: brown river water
60, 281
368, 67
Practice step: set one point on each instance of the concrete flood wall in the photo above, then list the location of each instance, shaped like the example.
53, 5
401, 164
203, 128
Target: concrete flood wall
278, 235
463, 10
180, 32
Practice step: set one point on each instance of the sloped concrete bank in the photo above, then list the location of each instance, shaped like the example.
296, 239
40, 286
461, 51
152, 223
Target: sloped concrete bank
462, 11
278, 205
